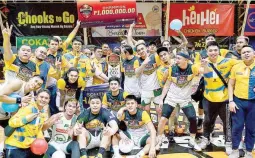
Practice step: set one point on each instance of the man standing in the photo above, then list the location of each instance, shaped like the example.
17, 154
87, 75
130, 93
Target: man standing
241, 102
240, 42
216, 73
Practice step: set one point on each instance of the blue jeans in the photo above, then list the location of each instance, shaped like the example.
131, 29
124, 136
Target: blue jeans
21, 153
244, 115
53, 96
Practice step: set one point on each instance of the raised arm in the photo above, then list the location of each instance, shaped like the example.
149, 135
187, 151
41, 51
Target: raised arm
6, 32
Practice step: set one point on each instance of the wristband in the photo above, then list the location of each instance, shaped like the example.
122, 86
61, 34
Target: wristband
231, 101
18, 100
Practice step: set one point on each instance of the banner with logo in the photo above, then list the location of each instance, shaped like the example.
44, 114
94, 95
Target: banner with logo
31, 19
250, 23
103, 12
201, 19
97, 90
149, 23
35, 41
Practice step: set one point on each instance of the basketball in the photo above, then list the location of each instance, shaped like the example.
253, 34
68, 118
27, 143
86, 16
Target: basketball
126, 147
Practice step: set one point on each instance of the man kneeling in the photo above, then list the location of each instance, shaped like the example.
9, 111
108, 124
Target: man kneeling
99, 126
140, 128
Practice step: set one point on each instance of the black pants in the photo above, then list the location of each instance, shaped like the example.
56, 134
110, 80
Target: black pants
21, 153
212, 110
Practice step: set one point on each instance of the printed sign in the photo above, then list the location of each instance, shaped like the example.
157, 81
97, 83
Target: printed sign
201, 19
102, 13
250, 23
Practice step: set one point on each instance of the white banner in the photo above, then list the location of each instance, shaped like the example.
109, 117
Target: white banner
149, 23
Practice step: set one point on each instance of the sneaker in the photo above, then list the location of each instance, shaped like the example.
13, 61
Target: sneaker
116, 156
194, 145
99, 156
204, 142
159, 142
234, 154
248, 155
228, 148
200, 123
2, 154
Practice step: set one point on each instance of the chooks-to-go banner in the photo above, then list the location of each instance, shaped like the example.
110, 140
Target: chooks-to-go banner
148, 23
250, 23
201, 19
32, 19
103, 12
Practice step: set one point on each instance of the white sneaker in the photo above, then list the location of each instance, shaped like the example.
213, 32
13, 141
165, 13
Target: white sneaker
228, 148
204, 142
234, 154
116, 156
159, 142
194, 145
248, 155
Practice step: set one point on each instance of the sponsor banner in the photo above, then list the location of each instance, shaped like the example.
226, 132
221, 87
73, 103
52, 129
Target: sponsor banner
30, 19
201, 19
35, 41
97, 90
250, 23
199, 42
102, 13
148, 23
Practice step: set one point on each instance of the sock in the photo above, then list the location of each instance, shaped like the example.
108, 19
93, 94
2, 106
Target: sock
116, 150
83, 152
201, 116
101, 150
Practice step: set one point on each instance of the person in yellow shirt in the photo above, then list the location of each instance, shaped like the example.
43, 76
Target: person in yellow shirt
55, 59
202, 55
216, 93
17, 66
242, 100
69, 87
101, 65
28, 123
46, 70
62, 47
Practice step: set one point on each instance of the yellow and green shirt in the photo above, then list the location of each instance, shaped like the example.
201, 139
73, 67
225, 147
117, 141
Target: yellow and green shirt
24, 71
244, 77
26, 132
114, 102
203, 54
215, 90
102, 67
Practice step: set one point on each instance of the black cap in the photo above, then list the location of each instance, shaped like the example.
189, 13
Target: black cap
162, 49
153, 43
210, 34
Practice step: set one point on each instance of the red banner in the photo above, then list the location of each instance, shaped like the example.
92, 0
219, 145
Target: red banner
201, 19
102, 13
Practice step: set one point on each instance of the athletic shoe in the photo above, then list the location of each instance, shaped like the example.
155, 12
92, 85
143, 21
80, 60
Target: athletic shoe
194, 145
99, 156
228, 148
200, 123
116, 156
159, 142
204, 142
234, 154
248, 155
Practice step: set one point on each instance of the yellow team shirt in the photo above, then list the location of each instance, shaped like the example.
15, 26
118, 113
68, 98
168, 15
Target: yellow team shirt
84, 67
26, 132
62, 85
65, 44
24, 70
99, 65
223, 53
244, 77
114, 102
215, 90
